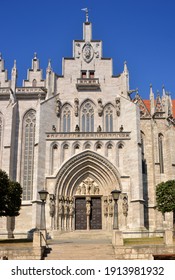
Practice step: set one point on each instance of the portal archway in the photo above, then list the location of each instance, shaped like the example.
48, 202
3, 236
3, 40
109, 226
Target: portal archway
86, 181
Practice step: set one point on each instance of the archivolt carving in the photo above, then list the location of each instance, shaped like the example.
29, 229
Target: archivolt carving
80, 166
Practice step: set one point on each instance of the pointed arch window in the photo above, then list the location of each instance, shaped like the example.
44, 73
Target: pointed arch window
28, 153
144, 167
108, 114
66, 119
54, 152
160, 146
1, 132
87, 117
34, 83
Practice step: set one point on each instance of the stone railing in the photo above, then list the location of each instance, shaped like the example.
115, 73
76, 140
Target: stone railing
88, 83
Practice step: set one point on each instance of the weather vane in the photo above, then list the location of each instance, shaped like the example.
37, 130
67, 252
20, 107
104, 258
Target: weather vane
87, 13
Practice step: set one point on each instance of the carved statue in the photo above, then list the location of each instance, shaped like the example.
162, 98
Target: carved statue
88, 208
99, 128
66, 209
77, 127
125, 205
52, 205
60, 208
97, 190
58, 107
121, 128
111, 207
71, 209
117, 100
76, 104
100, 107
105, 206
83, 189
78, 190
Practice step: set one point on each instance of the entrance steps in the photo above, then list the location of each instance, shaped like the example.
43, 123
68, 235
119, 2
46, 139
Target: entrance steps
80, 245
82, 234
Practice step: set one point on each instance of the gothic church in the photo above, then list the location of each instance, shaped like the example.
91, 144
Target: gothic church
81, 135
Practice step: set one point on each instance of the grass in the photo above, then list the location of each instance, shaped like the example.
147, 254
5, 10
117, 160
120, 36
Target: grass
144, 241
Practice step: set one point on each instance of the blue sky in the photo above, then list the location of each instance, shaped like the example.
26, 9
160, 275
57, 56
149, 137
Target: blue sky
140, 32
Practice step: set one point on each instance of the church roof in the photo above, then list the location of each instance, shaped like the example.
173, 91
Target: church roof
148, 106
173, 108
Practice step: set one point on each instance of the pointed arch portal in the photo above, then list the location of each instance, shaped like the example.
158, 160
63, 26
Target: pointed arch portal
82, 184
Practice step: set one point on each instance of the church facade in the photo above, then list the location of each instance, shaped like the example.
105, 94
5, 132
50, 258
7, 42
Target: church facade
80, 136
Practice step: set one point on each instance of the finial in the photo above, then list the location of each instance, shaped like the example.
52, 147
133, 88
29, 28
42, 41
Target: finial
163, 90
49, 68
151, 85
35, 55
49, 63
14, 66
87, 13
0, 56
125, 66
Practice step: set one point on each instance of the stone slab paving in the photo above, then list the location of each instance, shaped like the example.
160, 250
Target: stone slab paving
81, 246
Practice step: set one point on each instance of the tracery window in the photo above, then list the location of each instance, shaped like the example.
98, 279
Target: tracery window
66, 118
1, 126
160, 146
108, 115
87, 117
144, 167
28, 153
1, 131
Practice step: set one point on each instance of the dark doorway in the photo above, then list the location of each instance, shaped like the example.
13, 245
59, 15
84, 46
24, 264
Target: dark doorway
95, 216
80, 214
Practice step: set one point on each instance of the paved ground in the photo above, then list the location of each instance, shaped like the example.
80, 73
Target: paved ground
81, 246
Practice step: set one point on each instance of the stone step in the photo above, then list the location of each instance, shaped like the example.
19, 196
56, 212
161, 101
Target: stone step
82, 234
69, 251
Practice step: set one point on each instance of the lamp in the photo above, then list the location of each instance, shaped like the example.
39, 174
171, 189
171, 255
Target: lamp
115, 195
43, 196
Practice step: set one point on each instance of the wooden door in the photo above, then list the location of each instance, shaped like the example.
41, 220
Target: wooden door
80, 214
95, 216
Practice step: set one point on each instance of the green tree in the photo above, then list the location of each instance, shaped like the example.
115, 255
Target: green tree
4, 185
165, 196
10, 196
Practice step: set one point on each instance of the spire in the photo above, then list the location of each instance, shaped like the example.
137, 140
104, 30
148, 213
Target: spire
1, 63
163, 91
49, 68
151, 96
14, 65
125, 67
13, 77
